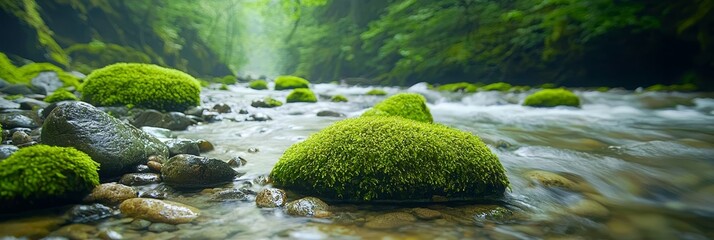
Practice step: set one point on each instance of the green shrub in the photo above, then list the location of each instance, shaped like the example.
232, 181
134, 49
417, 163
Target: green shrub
686, 87
499, 86
301, 95
96, 54
290, 82
390, 158
30, 71
61, 95
407, 105
42, 171
460, 86
258, 84
376, 92
141, 85
552, 98
339, 98
8, 71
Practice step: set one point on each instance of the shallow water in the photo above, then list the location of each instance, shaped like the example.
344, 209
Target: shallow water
643, 159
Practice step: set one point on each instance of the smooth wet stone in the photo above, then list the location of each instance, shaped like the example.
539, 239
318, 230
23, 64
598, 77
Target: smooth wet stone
162, 227
20, 137
137, 179
172, 120
182, 146
117, 146
31, 104
154, 193
110, 194
7, 150
229, 195
271, 198
426, 214
48, 80
327, 113
7, 104
589, 209
195, 111
550, 179
89, 213
158, 210
21, 119
32, 227
188, 171
222, 108
16, 89
390, 220
258, 117
76, 232
158, 132
261, 103
308, 207
204, 145
242, 111
237, 162
154, 166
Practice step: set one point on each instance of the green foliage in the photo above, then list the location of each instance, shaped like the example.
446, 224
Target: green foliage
30, 71
552, 98
376, 92
8, 71
548, 86
339, 98
61, 95
406, 105
96, 54
141, 85
390, 158
44, 171
229, 80
223, 87
301, 95
290, 82
685, 87
460, 87
258, 84
499, 86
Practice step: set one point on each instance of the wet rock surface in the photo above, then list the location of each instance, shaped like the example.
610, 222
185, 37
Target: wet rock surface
159, 210
271, 198
172, 120
390, 220
136, 179
308, 207
21, 119
188, 171
89, 213
110, 194
182, 146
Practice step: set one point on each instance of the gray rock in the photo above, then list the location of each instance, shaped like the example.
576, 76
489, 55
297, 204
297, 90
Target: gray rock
5, 104
117, 146
182, 146
142, 168
7, 150
328, 113
89, 213
258, 117
188, 171
308, 207
271, 198
20, 137
110, 194
47, 80
158, 132
195, 111
31, 104
154, 193
23, 119
173, 120
16, 89
222, 108
243, 111
136, 179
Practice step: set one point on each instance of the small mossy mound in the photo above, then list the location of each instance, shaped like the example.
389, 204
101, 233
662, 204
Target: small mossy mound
8, 71
42, 172
552, 98
301, 95
290, 82
376, 92
141, 85
339, 98
96, 54
61, 95
548, 86
271, 102
686, 87
227, 80
258, 84
499, 86
460, 87
390, 159
30, 71
407, 105
223, 87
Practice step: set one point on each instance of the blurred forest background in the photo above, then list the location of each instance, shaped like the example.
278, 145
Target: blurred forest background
578, 43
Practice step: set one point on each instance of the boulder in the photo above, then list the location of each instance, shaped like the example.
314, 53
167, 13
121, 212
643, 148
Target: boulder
188, 171
155, 210
23, 119
117, 146
172, 120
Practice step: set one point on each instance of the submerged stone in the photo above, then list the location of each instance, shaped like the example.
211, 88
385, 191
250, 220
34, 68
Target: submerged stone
188, 171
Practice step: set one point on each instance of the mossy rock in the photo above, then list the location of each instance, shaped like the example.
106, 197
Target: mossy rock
499, 86
290, 82
96, 54
685, 87
376, 92
552, 98
228, 80
141, 85
43, 172
548, 86
339, 98
460, 87
258, 84
8, 71
301, 95
266, 102
390, 159
223, 87
61, 95
407, 105
30, 71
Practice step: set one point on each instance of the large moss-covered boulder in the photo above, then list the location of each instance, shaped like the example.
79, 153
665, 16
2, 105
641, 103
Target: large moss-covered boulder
390, 159
407, 105
116, 145
141, 85
301, 95
43, 174
552, 98
290, 82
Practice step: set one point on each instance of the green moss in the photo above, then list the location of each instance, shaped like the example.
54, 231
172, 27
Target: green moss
223, 87
30, 71
407, 105
141, 85
8, 71
61, 95
13, 97
459, 87
96, 54
686, 87
301, 95
258, 84
44, 171
390, 159
203, 83
32, 17
376, 92
520, 88
602, 89
290, 82
548, 86
229, 80
272, 102
552, 98
499, 86
339, 98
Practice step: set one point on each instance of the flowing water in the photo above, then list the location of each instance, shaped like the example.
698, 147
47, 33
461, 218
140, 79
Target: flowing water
632, 166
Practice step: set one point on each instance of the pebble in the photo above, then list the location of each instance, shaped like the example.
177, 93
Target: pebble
271, 198
20, 138
308, 207
204, 145
154, 166
89, 213
110, 194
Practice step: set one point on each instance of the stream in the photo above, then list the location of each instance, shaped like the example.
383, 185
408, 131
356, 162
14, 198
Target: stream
637, 165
